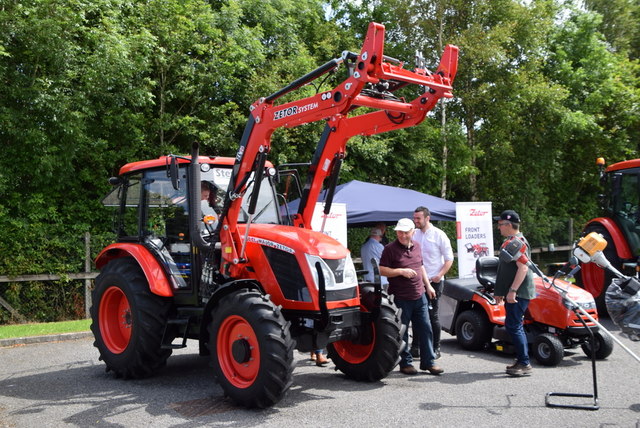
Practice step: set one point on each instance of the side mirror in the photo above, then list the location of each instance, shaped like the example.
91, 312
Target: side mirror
174, 173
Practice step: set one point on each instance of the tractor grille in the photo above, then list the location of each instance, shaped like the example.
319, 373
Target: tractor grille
287, 271
576, 319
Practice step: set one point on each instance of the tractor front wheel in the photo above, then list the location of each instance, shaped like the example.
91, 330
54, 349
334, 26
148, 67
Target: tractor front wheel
603, 348
128, 320
371, 361
251, 348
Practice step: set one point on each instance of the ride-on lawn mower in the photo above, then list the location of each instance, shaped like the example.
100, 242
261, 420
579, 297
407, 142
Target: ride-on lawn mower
469, 311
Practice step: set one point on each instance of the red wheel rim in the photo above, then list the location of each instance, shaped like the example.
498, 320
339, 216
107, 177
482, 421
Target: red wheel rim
238, 351
593, 278
115, 320
354, 353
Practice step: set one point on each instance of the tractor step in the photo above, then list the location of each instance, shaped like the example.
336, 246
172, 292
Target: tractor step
182, 324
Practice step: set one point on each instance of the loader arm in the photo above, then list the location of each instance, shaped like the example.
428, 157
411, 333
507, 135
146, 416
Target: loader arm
370, 67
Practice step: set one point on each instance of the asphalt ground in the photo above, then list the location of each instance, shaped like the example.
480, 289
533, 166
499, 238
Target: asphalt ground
62, 383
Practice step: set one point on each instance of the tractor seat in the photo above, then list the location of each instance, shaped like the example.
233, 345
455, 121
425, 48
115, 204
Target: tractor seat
487, 271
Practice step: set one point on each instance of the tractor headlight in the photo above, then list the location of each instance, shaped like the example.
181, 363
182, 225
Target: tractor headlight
329, 277
338, 273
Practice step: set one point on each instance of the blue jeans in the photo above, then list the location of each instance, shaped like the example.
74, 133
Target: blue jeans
417, 312
513, 323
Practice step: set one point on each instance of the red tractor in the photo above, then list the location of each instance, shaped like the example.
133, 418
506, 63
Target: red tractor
619, 225
205, 252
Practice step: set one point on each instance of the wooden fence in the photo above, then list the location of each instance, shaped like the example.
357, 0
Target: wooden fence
88, 275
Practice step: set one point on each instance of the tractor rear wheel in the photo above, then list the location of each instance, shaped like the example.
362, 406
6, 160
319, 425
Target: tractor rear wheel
592, 277
372, 361
604, 345
128, 320
251, 349
473, 330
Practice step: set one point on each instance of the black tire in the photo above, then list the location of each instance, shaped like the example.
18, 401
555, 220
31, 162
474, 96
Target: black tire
251, 349
604, 345
473, 330
547, 349
128, 320
599, 279
370, 362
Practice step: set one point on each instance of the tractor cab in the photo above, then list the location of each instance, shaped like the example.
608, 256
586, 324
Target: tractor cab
152, 209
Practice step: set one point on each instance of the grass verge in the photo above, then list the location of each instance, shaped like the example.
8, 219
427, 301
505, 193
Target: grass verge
40, 329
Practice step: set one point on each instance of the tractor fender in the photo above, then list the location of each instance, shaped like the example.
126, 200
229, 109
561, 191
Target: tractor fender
620, 243
153, 271
224, 290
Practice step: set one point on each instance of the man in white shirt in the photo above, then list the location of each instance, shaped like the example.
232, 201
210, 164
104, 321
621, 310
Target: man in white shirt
437, 258
372, 249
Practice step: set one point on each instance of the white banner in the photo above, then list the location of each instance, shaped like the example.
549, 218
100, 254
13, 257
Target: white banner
474, 230
335, 224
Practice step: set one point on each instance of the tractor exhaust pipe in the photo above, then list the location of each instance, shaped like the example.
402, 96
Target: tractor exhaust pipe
195, 211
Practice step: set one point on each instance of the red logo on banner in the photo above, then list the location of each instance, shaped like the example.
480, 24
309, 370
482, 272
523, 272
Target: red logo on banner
477, 213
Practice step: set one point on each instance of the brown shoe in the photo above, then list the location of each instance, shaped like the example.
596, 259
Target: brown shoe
513, 366
409, 370
520, 370
321, 360
434, 370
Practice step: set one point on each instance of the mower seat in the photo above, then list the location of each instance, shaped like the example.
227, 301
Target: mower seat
487, 271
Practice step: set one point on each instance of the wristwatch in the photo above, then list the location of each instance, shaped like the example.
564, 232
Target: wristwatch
514, 290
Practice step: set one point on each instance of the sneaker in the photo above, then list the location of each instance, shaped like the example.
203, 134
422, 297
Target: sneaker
519, 369
434, 370
409, 370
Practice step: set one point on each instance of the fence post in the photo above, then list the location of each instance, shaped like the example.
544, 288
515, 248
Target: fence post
571, 231
87, 269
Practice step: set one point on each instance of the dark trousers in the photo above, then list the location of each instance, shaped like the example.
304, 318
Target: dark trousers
416, 312
433, 317
513, 323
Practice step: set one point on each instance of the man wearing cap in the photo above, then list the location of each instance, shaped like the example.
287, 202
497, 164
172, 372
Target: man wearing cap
372, 249
401, 263
514, 286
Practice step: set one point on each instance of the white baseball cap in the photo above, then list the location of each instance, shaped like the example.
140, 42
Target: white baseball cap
405, 225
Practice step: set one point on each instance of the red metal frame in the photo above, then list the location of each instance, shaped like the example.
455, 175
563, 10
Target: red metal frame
632, 163
334, 106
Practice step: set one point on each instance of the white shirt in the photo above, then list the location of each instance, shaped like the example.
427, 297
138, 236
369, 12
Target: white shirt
371, 249
436, 249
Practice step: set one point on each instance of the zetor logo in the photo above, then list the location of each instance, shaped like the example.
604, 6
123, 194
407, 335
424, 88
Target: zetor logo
477, 213
290, 111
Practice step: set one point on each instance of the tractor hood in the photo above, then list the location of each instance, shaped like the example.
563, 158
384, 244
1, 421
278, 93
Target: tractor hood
295, 239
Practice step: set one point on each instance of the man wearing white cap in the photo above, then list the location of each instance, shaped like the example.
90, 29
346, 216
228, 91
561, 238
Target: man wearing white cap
401, 263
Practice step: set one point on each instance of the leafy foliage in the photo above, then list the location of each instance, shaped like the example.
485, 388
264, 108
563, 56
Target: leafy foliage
543, 88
